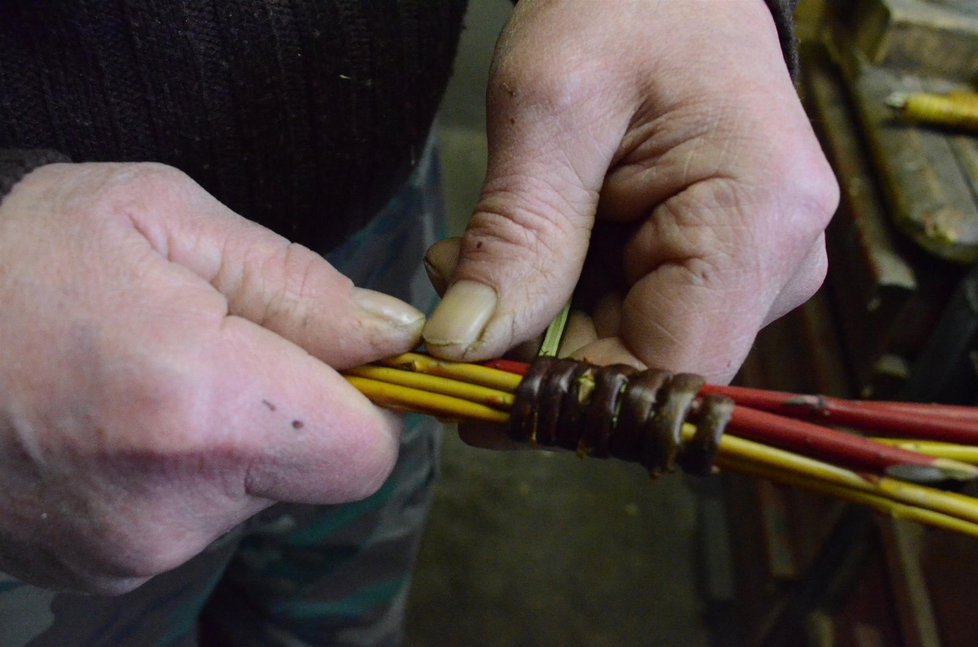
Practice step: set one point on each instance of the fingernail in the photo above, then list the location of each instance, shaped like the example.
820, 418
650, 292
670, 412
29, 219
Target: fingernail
461, 316
386, 307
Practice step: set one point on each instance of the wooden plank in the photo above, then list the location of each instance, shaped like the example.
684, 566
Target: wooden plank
872, 277
819, 629
939, 39
964, 146
816, 325
870, 248
965, 149
950, 563
866, 635
902, 548
861, 603
782, 563
964, 6
931, 201
800, 353
890, 373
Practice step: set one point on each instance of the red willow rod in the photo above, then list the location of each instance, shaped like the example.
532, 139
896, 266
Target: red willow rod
841, 448
508, 365
947, 423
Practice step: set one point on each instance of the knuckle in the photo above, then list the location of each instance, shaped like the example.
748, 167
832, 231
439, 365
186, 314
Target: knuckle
690, 227
294, 269
803, 181
130, 188
534, 246
786, 203
814, 274
147, 176
559, 84
154, 177
529, 214
816, 193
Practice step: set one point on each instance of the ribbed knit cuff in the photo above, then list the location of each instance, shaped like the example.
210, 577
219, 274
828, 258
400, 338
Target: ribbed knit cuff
783, 12
16, 163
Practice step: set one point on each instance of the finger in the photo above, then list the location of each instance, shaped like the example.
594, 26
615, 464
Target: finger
524, 246
578, 333
278, 285
310, 435
606, 351
804, 284
607, 315
697, 295
708, 266
674, 320
266, 418
440, 261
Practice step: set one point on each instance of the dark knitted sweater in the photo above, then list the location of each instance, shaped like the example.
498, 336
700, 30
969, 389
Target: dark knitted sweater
303, 115
784, 13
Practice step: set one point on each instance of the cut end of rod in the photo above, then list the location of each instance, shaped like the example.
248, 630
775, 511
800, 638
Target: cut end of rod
942, 469
956, 469
897, 100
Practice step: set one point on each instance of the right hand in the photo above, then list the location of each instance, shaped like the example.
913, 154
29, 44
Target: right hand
168, 369
674, 127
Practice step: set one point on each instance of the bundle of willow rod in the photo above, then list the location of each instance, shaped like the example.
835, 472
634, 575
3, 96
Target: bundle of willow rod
767, 434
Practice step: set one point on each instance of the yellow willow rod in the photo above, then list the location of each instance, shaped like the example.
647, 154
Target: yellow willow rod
472, 373
957, 109
435, 384
406, 398
894, 509
949, 503
963, 453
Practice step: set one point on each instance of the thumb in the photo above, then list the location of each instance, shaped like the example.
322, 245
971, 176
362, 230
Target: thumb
281, 286
523, 249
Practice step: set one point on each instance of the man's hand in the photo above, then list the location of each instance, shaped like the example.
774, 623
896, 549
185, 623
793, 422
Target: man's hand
166, 371
678, 123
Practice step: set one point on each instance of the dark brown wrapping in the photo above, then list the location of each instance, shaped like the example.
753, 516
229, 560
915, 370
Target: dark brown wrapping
557, 385
638, 404
712, 414
523, 415
602, 410
616, 411
572, 409
663, 431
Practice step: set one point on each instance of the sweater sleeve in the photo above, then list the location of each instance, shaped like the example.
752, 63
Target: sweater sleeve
783, 12
16, 163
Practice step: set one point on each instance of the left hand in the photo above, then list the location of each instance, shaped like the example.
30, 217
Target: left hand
677, 120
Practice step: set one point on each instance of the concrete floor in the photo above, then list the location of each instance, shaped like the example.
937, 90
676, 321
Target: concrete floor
532, 548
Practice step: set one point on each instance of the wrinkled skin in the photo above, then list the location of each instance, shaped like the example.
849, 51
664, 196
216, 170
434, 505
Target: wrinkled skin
168, 371
678, 124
